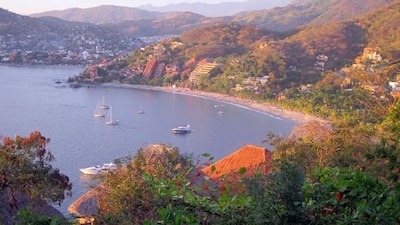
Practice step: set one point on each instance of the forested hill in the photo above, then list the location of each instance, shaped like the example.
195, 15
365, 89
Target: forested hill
309, 12
214, 9
280, 19
341, 41
102, 14
147, 23
289, 60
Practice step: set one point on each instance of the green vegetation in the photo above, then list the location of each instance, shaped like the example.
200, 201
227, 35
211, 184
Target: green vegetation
28, 216
346, 172
25, 169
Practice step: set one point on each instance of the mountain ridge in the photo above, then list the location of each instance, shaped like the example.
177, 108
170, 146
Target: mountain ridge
146, 23
101, 14
149, 11
214, 10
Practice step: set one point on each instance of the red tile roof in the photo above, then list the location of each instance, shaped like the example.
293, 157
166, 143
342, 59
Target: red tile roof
250, 157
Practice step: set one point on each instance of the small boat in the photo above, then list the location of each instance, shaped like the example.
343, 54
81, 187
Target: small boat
140, 110
183, 129
220, 112
99, 169
103, 104
98, 112
109, 119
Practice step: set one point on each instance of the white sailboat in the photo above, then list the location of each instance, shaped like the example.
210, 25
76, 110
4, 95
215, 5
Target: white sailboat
140, 110
109, 119
103, 104
98, 111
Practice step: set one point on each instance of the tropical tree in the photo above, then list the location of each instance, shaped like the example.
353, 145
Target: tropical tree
26, 170
126, 197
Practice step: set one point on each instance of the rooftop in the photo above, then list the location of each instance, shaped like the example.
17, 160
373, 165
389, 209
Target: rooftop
250, 157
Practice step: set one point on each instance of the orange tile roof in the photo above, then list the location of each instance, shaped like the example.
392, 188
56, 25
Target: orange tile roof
249, 157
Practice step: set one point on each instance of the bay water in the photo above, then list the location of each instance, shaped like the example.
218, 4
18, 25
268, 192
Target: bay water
31, 100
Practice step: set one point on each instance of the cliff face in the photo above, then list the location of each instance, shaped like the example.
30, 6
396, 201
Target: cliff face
8, 214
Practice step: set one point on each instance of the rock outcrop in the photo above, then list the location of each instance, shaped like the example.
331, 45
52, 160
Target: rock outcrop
8, 213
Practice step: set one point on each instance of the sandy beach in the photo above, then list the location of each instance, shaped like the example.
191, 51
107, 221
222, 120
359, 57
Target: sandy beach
298, 117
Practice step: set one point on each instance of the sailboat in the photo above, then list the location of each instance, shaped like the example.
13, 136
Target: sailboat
140, 110
103, 104
109, 120
98, 111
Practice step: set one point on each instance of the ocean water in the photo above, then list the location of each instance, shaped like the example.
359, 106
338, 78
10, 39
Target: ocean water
31, 100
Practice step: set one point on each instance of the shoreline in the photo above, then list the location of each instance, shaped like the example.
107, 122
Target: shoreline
269, 109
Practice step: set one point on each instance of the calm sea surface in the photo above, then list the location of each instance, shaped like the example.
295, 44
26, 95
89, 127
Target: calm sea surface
31, 100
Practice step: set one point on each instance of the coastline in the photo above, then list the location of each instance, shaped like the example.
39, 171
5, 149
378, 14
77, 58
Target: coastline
270, 109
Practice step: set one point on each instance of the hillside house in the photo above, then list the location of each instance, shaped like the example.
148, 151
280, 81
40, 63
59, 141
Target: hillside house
372, 54
322, 58
320, 62
263, 80
394, 85
359, 66
369, 55
172, 69
176, 44
371, 88
306, 88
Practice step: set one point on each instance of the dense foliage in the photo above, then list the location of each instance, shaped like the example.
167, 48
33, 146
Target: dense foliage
25, 169
126, 196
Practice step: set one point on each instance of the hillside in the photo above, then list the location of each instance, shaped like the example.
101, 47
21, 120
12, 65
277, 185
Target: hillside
343, 41
289, 60
172, 23
214, 10
308, 12
116, 14
52, 41
146, 23
102, 14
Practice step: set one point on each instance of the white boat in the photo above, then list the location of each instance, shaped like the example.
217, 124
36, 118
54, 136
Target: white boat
99, 169
140, 110
109, 119
103, 104
183, 129
98, 112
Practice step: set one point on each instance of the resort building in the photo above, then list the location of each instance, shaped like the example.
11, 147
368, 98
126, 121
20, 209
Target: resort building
203, 68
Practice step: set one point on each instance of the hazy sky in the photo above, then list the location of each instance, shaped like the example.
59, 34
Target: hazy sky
26, 7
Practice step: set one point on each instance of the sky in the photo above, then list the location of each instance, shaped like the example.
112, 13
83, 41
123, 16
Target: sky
26, 7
